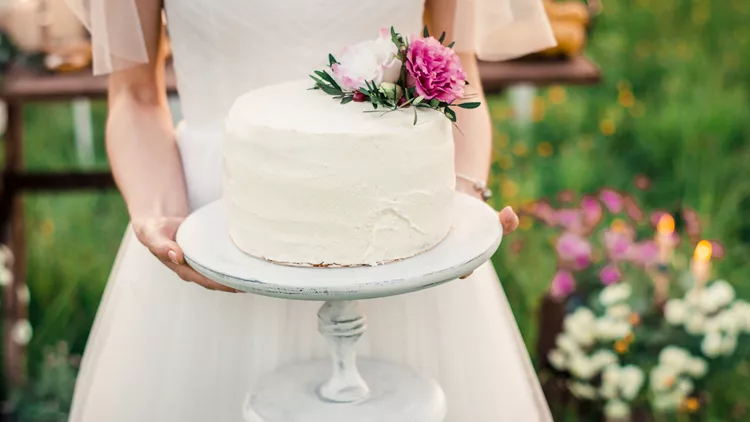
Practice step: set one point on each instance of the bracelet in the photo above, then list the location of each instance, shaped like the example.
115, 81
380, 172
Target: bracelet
479, 186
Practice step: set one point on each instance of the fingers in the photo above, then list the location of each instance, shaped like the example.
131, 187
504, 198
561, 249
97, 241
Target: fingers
190, 275
508, 219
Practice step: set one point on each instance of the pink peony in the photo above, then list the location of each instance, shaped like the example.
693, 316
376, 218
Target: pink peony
609, 275
562, 284
434, 70
574, 249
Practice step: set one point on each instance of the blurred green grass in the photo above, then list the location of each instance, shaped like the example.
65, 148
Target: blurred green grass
673, 106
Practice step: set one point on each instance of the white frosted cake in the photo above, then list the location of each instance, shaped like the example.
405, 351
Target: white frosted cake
309, 181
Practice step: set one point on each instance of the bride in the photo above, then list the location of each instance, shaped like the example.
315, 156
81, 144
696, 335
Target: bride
164, 350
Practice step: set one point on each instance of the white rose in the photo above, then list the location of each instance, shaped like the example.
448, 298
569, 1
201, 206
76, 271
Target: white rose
674, 311
662, 378
582, 390
729, 344
695, 324
609, 329
582, 367
696, 367
711, 345
684, 386
631, 381
621, 311
614, 293
556, 359
603, 358
674, 357
616, 410
373, 60
567, 344
722, 292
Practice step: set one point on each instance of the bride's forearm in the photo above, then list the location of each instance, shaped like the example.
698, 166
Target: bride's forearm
144, 157
473, 136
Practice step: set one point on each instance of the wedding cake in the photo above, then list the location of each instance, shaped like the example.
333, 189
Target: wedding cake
353, 167
308, 181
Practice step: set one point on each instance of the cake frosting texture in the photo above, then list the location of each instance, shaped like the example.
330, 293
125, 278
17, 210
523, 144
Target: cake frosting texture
312, 182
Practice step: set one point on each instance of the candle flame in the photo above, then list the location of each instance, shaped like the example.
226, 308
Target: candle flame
703, 251
665, 225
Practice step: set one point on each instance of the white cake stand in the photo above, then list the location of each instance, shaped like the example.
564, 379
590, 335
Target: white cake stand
318, 391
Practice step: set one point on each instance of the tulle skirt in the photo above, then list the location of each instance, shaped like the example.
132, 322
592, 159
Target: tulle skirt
163, 350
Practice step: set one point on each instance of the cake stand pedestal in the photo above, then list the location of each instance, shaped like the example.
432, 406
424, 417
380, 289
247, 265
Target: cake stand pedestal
343, 389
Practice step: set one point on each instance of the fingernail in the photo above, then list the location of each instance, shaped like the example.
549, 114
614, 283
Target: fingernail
173, 257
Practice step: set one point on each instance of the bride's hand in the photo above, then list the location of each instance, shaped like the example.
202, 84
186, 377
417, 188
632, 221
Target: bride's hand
509, 220
158, 235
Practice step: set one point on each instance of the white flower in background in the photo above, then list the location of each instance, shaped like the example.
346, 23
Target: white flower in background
615, 293
621, 311
741, 311
728, 322
675, 358
22, 332
721, 292
568, 344
711, 346
675, 311
695, 323
728, 344
582, 367
557, 359
616, 410
631, 380
23, 294
603, 358
372, 60
696, 367
582, 390
6, 277
662, 378
684, 386
579, 325
694, 297
711, 325
668, 401
610, 382
607, 328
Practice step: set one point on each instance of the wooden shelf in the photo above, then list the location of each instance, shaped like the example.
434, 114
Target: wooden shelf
577, 71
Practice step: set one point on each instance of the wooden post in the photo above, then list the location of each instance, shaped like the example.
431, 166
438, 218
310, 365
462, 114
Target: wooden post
12, 211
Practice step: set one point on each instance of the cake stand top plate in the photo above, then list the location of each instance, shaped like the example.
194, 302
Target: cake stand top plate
204, 239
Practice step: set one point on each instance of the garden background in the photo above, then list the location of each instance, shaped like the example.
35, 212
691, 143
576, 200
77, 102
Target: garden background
673, 107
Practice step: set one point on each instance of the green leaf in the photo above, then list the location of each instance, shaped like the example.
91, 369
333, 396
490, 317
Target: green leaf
425, 32
450, 114
331, 60
442, 37
328, 78
331, 90
466, 82
434, 103
451, 44
347, 99
418, 100
470, 105
415, 117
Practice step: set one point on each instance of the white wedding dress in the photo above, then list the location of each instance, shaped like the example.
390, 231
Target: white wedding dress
163, 350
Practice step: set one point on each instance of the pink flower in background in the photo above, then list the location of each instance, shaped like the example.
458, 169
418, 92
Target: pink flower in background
609, 275
569, 218
434, 70
574, 249
612, 200
592, 211
632, 209
643, 253
544, 211
656, 216
617, 244
642, 182
717, 249
562, 284
566, 196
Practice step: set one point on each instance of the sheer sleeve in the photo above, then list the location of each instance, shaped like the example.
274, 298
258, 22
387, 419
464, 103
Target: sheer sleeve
502, 29
117, 41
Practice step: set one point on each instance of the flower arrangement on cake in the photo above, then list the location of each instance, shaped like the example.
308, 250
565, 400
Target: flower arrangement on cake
395, 72
645, 327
